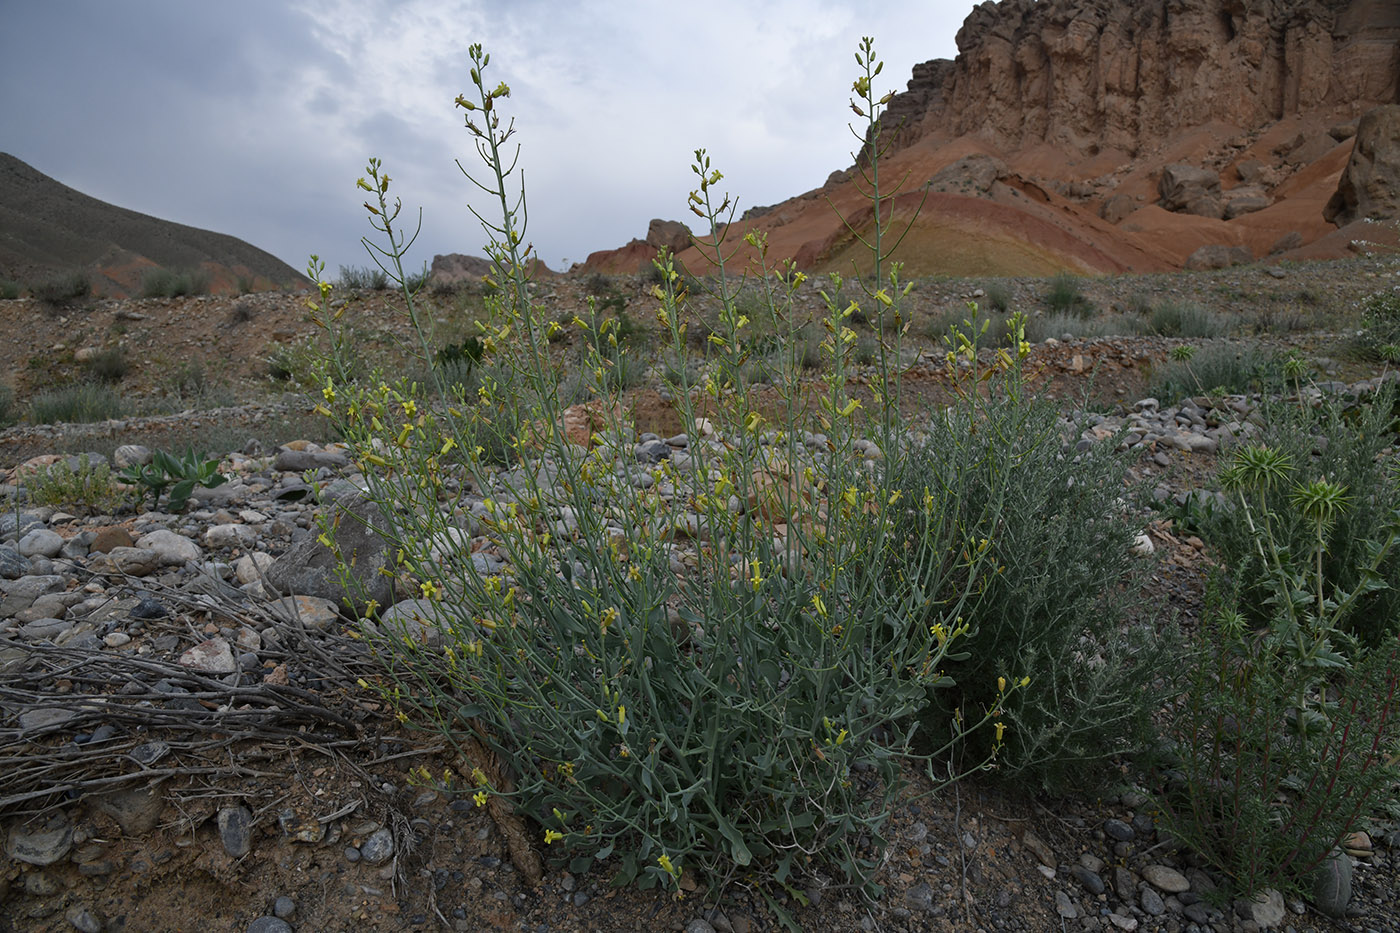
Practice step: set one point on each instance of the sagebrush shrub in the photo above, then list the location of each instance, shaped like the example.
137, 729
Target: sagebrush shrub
170, 283
707, 664
1061, 604
82, 402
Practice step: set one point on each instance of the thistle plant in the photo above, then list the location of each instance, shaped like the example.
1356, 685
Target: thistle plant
711, 664
1287, 733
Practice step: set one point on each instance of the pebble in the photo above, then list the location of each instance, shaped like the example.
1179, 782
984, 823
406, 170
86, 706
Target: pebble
378, 848
1166, 879
269, 925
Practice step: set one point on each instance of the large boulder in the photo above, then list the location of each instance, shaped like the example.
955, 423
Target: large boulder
1370, 184
670, 234
1190, 190
452, 268
974, 174
308, 567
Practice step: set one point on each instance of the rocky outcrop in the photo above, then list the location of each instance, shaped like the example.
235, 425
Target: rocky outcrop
1089, 75
452, 268
1191, 190
1370, 185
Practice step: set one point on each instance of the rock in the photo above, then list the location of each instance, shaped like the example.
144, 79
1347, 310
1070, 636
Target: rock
284, 907
1118, 830
210, 657
45, 717
415, 620
1117, 208
1370, 185
671, 235
132, 561
379, 847
131, 455
1064, 906
454, 268
1218, 256
1151, 901
1165, 879
974, 175
112, 536
920, 897
12, 565
251, 567
41, 542
1037, 847
308, 567
1331, 886
1343, 131
300, 461
31, 587
230, 536
136, 811
83, 920
236, 830
1267, 909
1289, 241
43, 845
1089, 879
318, 614
1191, 190
1245, 204
269, 925
174, 550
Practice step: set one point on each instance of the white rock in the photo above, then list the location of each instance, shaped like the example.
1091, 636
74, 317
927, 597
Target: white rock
250, 567
231, 535
1143, 546
130, 455
173, 549
40, 542
212, 657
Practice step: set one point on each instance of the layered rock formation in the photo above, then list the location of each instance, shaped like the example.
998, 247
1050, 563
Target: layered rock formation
1112, 135
1088, 75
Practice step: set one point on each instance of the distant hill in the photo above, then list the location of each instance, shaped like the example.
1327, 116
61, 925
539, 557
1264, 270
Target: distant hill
47, 228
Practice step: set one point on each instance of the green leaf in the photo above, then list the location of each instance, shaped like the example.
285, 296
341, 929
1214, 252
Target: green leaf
737, 848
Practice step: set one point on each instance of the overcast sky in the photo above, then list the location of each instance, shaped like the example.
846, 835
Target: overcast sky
255, 118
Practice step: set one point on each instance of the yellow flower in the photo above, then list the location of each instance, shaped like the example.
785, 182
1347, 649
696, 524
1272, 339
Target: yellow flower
480, 798
550, 836
667, 866
818, 605
430, 590
1001, 685
1000, 728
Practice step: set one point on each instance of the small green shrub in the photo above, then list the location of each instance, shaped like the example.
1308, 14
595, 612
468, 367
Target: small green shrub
86, 487
246, 285
108, 366
62, 289
1187, 319
1283, 736
417, 281
242, 313
1066, 296
169, 283
180, 474
1229, 367
9, 289
1059, 326
1380, 325
363, 278
79, 403
1344, 445
998, 297
294, 363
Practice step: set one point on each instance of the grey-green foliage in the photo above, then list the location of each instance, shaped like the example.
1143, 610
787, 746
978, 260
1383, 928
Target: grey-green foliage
172, 283
363, 277
1380, 322
1187, 319
1059, 607
1230, 367
1066, 296
63, 288
7, 406
81, 402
